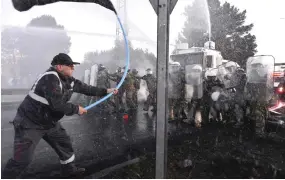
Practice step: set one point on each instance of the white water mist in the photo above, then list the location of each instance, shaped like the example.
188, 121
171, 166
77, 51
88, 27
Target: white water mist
208, 18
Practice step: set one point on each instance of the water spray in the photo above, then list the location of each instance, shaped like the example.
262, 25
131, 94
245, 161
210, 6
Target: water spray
208, 19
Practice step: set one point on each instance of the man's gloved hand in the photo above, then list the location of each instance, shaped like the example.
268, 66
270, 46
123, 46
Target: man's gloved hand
112, 90
81, 110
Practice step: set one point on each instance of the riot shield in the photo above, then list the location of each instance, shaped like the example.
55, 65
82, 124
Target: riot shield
228, 75
175, 85
87, 76
211, 73
260, 84
90, 77
194, 81
93, 79
94, 75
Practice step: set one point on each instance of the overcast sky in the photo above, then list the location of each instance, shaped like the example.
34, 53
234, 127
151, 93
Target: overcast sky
269, 27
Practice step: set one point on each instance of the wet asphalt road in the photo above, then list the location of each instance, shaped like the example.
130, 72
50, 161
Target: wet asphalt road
95, 136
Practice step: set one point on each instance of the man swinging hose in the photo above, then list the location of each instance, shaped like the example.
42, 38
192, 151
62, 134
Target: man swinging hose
38, 115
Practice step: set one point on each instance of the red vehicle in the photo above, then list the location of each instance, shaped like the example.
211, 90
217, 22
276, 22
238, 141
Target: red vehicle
279, 74
277, 104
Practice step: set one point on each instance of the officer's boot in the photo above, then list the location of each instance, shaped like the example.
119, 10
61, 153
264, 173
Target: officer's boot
70, 169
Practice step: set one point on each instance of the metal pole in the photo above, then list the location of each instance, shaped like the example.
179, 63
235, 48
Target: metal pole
162, 88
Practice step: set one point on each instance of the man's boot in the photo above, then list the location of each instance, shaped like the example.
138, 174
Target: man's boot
71, 169
13, 170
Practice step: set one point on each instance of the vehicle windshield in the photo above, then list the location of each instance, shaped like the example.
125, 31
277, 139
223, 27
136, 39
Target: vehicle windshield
188, 59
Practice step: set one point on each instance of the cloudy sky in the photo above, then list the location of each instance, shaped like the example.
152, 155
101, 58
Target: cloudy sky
268, 17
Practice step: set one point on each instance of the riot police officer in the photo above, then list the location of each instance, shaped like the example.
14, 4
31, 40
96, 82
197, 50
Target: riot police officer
151, 85
137, 86
103, 81
117, 77
259, 90
210, 85
176, 83
130, 89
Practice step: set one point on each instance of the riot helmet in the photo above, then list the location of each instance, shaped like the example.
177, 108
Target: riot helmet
135, 71
231, 66
174, 67
197, 68
119, 70
211, 74
101, 67
259, 67
148, 71
124, 69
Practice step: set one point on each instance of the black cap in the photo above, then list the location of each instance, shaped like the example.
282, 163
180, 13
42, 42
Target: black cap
62, 59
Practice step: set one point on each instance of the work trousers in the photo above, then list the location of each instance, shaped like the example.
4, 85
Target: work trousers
119, 98
25, 142
175, 108
130, 97
151, 101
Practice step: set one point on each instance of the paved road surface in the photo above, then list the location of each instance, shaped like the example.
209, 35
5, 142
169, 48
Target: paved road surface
94, 136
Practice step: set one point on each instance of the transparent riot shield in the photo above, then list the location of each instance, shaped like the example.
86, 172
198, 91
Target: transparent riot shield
94, 75
175, 82
260, 84
213, 72
194, 81
227, 74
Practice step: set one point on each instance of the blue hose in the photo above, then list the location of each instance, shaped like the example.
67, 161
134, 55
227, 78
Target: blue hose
126, 68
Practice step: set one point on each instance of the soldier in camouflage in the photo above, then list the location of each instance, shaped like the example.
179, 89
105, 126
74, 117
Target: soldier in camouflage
151, 85
137, 86
104, 82
117, 77
130, 90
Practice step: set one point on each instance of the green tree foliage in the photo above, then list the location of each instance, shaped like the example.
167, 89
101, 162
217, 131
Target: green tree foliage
228, 29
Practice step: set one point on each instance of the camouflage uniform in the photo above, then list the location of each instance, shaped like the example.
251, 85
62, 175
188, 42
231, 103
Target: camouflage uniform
119, 97
176, 94
151, 85
208, 86
137, 87
258, 108
103, 82
130, 90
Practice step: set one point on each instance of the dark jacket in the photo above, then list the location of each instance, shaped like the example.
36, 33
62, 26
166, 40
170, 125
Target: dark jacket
103, 79
130, 81
116, 77
151, 82
34, 114
137, 82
